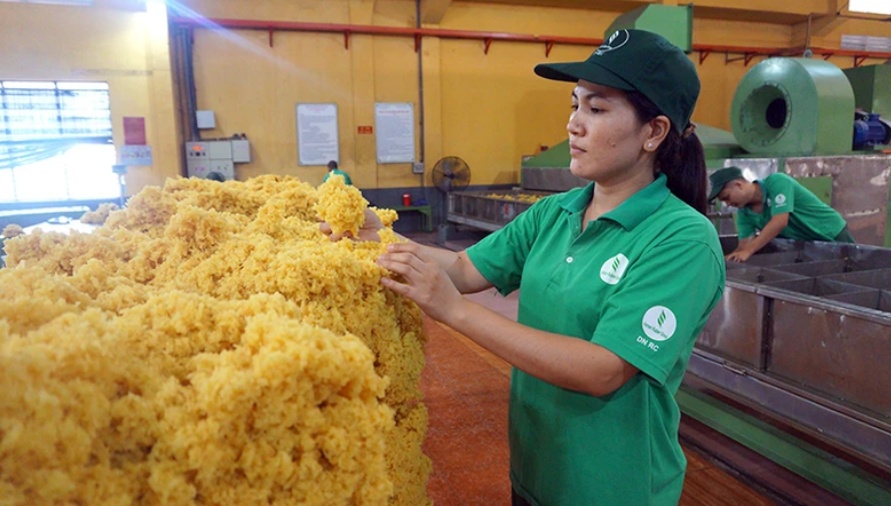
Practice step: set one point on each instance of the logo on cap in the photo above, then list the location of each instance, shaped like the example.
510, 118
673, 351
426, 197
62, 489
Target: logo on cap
615, 41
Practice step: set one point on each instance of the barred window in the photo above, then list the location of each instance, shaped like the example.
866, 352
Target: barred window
56, 142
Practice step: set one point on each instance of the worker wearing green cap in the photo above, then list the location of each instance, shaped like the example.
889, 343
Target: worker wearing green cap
778, 206
616, 280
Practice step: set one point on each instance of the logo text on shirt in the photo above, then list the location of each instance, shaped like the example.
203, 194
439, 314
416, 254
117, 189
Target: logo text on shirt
659, 323
780, 199
612, 270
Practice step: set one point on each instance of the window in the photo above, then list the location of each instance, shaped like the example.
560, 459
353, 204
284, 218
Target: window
55, 142
866, 43
870, 6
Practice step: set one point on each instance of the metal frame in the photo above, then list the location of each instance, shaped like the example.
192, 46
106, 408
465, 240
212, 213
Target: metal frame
787, 341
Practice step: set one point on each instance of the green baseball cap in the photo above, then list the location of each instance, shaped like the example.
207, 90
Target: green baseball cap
719, 178
638, 60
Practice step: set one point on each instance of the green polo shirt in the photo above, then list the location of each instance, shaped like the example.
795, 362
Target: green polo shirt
338, 172
639, 281
809, 218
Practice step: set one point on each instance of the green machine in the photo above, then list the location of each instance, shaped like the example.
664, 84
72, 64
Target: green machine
793, 106
675, 23
797, 116
872, 88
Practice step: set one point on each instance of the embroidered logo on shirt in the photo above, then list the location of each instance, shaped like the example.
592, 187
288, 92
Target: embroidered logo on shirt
613, 269
659, 323
780, 199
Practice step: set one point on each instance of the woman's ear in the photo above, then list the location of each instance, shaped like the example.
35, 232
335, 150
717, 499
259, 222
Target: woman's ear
658, 131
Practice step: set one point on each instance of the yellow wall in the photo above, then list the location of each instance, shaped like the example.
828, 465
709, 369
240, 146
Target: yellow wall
490, 109
306, 68
125, 48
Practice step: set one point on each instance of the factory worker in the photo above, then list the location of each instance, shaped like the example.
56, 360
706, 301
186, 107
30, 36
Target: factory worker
616, 280
334, 171
778, 206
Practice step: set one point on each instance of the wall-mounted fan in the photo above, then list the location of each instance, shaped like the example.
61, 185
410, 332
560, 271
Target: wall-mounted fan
451, 174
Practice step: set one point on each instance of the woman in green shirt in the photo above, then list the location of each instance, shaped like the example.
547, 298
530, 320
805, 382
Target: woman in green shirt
616, 281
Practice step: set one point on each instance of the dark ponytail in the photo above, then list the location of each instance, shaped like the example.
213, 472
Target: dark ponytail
680, 158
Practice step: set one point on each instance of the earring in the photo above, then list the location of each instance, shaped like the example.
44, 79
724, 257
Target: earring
649, 145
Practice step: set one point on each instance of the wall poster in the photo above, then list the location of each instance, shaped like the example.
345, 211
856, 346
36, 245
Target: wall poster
395, 125
317, 141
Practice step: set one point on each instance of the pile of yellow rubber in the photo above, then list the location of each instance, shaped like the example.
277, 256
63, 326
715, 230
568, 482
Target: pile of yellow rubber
209, 345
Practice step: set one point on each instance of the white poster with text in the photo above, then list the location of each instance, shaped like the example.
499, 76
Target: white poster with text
317, 141
395, 126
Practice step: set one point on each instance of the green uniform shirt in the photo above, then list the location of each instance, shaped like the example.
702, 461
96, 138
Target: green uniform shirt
338, 172
639, 281
809, 218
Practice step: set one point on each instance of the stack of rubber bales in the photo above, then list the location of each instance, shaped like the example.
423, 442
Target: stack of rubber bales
209, 345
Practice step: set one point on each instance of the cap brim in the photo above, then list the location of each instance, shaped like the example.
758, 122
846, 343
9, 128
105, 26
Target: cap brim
584, 70
715, 191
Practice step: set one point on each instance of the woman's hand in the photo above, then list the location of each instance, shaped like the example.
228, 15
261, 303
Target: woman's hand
368, 232
426, 282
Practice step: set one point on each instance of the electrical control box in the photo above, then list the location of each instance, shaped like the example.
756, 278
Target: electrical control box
241, 151
210, 160
205, 120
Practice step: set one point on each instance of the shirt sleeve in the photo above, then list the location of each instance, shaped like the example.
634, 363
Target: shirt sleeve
501, 255
745, 226
781, 191
654, 317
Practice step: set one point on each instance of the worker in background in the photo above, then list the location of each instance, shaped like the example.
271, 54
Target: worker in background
333, 170
778, 206
616, 281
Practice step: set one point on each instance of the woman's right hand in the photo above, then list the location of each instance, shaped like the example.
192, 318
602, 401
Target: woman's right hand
368, 232
423, 280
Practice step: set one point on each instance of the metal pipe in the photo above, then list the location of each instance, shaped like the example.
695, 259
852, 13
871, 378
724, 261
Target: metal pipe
420, 95
807, 35
248, 24
549, 40
191, 89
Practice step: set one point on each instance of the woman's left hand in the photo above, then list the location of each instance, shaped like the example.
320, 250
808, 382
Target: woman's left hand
426, 282
368, 232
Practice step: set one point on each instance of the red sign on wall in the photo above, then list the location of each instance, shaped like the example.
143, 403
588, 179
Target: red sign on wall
134, 131
365, 129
